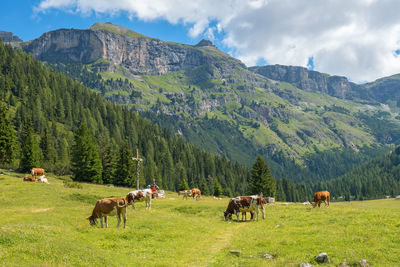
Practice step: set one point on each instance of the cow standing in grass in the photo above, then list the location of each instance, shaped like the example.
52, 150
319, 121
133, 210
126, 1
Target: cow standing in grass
140, 195
196, 193
245, 204
37, 172
321, 196
110, 207
185, 193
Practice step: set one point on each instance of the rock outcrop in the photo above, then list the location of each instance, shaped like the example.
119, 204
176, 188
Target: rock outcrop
313, 81
9, 37
122, 47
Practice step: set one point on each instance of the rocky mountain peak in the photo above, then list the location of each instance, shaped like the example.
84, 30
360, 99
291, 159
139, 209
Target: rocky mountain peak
108, 26
205, 43
113, 45
313, 81
9, 37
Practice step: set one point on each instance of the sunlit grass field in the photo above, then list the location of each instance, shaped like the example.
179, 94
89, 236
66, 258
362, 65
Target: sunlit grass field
45, 225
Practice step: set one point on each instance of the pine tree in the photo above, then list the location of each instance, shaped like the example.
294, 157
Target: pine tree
86, 164
204, 187
7, 137
217, 188
47, 145
183, 185
109, 165
30, 151
261, 179
124, 174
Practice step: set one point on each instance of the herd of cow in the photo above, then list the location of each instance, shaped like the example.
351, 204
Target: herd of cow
36, 172
117, 206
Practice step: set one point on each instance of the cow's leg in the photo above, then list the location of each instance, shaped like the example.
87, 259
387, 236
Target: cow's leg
124, 217
101, 221
133, 204
106, 220
256, 210
119, 219
237, 215
150, 204
263, 213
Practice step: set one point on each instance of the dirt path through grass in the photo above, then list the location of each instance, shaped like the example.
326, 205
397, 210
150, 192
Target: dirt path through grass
221, 242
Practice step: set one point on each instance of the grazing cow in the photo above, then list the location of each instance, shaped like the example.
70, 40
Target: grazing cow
245, 204
37, 172
185, 193
140, 195
42, 179
196, 193
321, 196
110, 207
29, 179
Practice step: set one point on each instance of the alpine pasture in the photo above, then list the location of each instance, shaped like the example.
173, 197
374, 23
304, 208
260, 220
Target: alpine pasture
45, 225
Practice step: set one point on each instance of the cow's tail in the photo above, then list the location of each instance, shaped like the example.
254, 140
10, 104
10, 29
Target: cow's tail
121, 203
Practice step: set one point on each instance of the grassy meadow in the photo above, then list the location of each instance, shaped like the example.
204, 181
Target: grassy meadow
45, 225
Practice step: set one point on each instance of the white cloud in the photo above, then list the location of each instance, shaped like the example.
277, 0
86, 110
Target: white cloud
355, 38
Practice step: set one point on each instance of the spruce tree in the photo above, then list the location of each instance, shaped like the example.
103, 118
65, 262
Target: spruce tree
124, 174
109, 165
217, 188
261, 180
30, 151
7, 137
86, 164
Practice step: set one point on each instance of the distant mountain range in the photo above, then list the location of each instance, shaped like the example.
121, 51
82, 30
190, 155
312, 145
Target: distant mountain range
301, 121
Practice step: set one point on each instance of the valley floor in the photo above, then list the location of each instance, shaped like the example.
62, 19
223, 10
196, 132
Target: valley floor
45, 225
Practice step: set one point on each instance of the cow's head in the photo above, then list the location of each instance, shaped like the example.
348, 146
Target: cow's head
227, 215
92, 220
129, 198
139, 195
313, 204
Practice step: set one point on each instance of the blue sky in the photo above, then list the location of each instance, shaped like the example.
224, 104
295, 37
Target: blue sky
19, 17
359, 39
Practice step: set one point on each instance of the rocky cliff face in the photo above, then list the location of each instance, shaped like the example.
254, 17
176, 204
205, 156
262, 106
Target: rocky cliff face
313, 81
122, 47
9, 37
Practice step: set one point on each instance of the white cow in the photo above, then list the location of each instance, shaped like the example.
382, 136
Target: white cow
140, 195
42, 179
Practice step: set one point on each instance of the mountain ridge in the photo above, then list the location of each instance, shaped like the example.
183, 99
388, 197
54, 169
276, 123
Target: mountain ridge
207, 91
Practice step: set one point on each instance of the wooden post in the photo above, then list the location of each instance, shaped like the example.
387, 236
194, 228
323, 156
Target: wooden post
138, 160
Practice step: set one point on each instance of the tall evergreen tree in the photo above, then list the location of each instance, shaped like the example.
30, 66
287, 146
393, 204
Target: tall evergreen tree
109, 165
47, 145
125, 171
7, 137
30, 151
217, 188
261, 179
86, 164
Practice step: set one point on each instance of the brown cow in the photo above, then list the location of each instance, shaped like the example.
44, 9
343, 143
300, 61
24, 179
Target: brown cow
321, 196
37, 172
196, 193
29, 179
110, 207
245, 204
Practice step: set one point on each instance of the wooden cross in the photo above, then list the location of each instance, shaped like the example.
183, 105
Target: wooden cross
138, 160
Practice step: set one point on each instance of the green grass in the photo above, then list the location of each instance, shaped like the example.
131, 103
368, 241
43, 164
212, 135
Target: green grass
45, 225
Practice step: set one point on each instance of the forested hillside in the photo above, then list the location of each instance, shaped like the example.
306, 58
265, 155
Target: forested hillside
375, 179
55, 117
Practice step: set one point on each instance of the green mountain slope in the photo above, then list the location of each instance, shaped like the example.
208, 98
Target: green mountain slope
214, 101
57, 105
